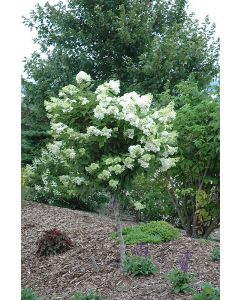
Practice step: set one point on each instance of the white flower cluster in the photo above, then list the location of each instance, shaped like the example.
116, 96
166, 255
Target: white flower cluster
135, 150
70, 153
69, 89
82, 76
144, 133
92, 168
64, 105
92, 130
55, 147
111, 86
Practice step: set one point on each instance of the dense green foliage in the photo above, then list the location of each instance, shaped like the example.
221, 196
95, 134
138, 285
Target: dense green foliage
208, 292
148, 45
28, 294
155, 232
180, 280
194, 182
139, 265
35, 128
216, 254
91, 295
149, 201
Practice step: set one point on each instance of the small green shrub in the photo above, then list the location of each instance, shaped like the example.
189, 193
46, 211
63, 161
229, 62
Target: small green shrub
208, 292
139, 265
53, 242
216, 254
27, 294
154, 232
180, 280
91, 295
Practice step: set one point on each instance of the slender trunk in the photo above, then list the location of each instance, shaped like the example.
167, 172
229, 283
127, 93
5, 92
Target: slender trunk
194, 226
211, 227
180, 215
122, 247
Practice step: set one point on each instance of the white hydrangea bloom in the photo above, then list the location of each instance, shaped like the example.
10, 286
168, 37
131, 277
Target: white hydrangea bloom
167, 163
92, 130
129, 133
55, 147
92, 168
143, 163
166, 114
99, 112
83, 100
152, 145
82, 151
113, 183
117, 159
58, 127
128, 162
78, 180
144, 102
106, 132
109, 161
104, 175
70, 153
117, 169
70, 89
82, 76
65, 179
135, 151
114, 86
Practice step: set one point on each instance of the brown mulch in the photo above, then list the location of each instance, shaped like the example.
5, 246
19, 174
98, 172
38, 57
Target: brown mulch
60, 276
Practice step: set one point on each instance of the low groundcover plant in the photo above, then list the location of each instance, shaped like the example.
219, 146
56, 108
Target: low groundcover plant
53, 241
180, 280
139, 265
28, 294
216, 254
91, 295
153, 232
208, 292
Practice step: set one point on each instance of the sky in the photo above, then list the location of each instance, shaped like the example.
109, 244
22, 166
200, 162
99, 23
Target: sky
201, 8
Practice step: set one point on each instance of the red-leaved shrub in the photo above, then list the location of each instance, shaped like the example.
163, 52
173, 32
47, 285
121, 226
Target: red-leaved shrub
53, 241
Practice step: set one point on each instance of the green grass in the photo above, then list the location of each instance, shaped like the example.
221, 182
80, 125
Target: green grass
154, 232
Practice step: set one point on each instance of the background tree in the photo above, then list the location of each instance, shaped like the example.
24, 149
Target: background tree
193, 184
149, 45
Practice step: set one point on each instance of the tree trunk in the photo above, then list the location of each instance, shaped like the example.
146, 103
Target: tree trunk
122, 247
211, 227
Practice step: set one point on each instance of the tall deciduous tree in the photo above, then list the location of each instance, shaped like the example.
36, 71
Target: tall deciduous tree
148, 45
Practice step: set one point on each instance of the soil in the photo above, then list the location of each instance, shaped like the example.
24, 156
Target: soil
93, 263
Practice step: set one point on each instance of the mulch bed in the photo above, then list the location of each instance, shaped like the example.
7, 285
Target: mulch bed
60, 276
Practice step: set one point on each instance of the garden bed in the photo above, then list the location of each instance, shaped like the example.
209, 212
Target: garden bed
60, 276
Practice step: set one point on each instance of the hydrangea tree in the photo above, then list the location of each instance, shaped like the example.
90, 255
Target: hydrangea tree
101, 139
